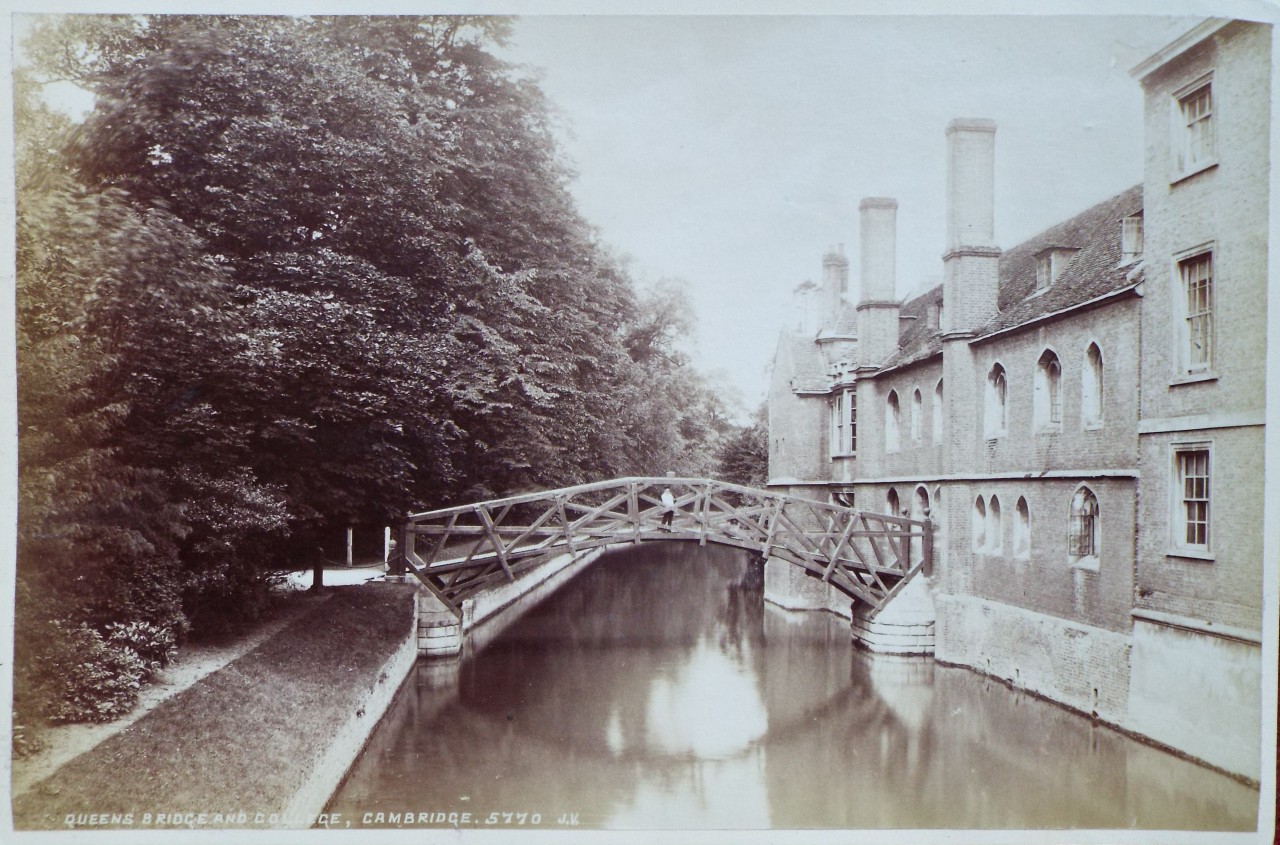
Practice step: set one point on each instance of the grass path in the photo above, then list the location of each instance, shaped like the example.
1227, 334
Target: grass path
243, 738
195, 660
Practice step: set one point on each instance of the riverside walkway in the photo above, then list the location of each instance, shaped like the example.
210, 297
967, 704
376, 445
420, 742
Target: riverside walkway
260, 743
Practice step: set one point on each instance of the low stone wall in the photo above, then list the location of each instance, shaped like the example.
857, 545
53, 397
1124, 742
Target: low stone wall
489, 625
496, 599
1083, 667
440, 633
906, 625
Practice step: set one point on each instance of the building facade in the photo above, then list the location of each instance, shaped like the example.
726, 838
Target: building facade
1080, 416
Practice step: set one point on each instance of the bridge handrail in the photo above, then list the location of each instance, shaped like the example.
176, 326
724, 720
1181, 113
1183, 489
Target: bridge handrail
866, 555
543, 495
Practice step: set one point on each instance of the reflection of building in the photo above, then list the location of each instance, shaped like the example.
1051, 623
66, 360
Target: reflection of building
1081, 415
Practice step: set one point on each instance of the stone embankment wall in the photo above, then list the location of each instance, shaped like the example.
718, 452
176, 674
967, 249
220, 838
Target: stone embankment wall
1118, 678
349, 739
439, 633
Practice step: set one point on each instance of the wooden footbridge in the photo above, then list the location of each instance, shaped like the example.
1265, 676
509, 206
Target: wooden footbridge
456, 552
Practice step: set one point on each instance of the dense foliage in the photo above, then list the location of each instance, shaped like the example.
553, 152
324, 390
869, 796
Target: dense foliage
743, 457
291, 274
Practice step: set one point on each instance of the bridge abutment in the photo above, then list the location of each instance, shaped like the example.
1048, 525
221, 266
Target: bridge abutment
439, 631
905, 625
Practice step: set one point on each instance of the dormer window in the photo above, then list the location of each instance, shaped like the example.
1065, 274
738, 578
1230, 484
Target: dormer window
1044, 270
1050, 263
1131, 239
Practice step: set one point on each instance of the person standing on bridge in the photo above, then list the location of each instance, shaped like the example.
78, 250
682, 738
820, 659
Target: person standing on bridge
669, 501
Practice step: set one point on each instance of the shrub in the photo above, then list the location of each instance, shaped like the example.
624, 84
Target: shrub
154, 645
27, 737
94, 680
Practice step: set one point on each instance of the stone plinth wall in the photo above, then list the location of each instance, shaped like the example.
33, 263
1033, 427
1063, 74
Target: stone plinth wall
1083, 667
905, 626
1197, 692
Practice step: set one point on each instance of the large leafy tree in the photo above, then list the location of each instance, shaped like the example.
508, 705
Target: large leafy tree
743, 457
295, 273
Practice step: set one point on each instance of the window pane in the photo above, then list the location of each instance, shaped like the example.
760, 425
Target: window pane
1193, 469
1082, 537
852, 399
1197, 114
1197, 279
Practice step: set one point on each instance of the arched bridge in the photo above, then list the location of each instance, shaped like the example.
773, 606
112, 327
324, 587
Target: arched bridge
458, 551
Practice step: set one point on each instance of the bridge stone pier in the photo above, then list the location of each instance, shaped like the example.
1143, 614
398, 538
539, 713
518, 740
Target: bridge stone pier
439, 630
905, 625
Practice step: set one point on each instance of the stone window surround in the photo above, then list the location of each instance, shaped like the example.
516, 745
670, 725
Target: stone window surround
917, 412
844, 423
995, 406
1084, 532
937, 412
1047, 392
1022, 529
1094, 400
1178, 547
892, 422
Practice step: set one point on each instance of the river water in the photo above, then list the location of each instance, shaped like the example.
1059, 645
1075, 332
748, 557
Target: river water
657, 690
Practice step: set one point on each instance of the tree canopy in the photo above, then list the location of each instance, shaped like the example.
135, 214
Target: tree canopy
291, 274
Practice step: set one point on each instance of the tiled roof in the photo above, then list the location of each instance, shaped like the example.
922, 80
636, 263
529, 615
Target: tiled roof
917, 340
1092, 272
846, 322
807, 365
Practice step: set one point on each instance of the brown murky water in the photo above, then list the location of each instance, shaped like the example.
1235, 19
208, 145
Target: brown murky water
658, 690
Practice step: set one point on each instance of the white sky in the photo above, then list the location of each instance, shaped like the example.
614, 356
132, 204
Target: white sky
732, 152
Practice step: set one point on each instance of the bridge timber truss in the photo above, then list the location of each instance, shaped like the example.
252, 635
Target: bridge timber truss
457, 552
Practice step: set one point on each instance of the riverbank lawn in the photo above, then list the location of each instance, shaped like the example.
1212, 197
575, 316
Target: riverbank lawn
244, 738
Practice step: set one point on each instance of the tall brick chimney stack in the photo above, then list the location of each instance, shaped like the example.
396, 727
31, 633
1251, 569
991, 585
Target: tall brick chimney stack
972, 257
970, 273
877, 300
835, 283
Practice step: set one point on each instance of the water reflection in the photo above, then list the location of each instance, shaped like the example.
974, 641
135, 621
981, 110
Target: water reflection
657, 690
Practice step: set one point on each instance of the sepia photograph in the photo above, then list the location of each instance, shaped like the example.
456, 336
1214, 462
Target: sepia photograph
719, 422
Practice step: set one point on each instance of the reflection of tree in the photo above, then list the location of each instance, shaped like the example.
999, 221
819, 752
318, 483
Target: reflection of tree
570, 683
625, 622
742, 615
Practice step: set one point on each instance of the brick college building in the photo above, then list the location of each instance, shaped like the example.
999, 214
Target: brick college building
1081, 416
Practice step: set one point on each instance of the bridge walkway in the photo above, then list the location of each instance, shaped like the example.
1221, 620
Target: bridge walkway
456, 552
